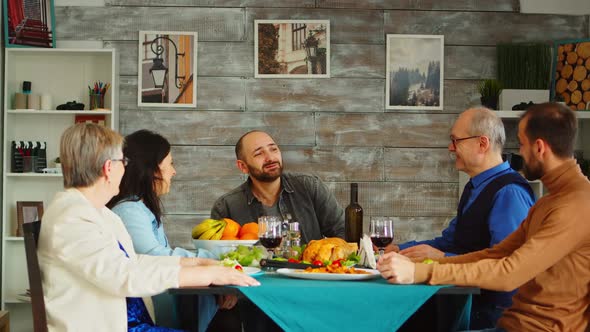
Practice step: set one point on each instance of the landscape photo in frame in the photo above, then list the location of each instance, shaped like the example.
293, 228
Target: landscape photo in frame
414, 74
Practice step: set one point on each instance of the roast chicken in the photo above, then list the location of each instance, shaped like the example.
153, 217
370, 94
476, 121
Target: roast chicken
328, 249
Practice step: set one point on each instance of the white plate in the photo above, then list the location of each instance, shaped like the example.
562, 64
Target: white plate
252, 271
219, 247
298, 273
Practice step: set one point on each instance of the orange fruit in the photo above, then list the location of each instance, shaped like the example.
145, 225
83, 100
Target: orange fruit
223, 237
249, 236
250, 227
231, 229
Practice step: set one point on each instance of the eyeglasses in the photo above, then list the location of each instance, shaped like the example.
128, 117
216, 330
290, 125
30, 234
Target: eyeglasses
124, 160
456, 140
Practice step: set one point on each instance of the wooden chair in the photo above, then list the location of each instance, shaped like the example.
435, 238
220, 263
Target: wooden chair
4, 321
31, 233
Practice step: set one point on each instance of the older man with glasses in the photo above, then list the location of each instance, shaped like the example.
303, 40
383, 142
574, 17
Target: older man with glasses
493, 204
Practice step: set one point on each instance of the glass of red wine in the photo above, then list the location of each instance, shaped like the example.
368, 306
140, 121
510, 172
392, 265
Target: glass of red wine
270, 232
381, 229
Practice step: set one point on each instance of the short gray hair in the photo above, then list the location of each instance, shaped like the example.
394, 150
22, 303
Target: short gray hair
84, 148
485, 122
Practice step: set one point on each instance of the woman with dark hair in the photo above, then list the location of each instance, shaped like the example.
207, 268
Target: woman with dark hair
148, 176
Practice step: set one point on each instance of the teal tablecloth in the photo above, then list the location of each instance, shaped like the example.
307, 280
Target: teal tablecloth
310, 305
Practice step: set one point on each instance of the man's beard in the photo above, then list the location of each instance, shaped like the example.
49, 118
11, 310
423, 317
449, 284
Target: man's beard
533, 171
263, 176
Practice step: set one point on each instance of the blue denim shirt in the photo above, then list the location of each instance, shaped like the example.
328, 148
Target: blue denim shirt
305, 198
148, 237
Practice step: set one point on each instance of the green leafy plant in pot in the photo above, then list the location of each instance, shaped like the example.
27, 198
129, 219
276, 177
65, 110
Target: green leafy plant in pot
490, 90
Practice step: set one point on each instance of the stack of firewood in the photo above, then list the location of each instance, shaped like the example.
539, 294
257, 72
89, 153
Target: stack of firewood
573, 75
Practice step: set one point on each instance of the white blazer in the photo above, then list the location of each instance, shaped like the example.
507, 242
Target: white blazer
86, 276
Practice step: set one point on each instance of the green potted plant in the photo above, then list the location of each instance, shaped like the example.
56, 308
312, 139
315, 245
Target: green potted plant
57, 162
489, 90
524, 70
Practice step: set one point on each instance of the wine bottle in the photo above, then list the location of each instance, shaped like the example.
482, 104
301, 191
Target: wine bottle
353, 217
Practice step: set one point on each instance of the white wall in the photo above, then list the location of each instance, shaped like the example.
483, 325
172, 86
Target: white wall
567, 7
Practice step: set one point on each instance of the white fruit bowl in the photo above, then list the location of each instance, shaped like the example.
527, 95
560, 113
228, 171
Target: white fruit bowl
219, 247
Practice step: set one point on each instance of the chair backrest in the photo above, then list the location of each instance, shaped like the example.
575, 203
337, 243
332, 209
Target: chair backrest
31, 233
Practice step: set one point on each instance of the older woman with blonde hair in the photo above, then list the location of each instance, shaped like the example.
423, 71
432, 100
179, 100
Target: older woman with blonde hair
91, 273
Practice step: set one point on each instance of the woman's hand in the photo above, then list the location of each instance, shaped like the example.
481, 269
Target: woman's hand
213, 275
197, 261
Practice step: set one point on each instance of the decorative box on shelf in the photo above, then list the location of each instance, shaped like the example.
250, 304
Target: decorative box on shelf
512, 97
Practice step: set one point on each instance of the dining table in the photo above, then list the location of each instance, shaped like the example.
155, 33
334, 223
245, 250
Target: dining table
344, 305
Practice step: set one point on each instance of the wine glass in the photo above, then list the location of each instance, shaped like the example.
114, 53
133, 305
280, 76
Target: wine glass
270, 232
381, 229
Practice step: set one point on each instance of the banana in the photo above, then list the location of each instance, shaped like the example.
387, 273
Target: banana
210, 233
204, 226
218, 235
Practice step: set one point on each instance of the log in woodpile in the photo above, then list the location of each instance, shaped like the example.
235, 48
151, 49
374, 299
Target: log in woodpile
572, 86
561, 85
572, 74
576, 97
583, 50
580, 73
567, 71
566, 97
572, 57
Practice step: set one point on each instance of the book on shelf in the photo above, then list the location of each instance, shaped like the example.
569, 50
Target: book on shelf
24, 297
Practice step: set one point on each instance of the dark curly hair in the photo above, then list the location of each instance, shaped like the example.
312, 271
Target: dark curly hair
145, 150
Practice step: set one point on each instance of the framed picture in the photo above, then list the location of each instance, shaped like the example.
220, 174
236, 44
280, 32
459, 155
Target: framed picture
27, 212
414, 74
167, 69
29, 23
292, 48
570, 80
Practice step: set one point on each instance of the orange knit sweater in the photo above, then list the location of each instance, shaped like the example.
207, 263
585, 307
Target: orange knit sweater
547, 258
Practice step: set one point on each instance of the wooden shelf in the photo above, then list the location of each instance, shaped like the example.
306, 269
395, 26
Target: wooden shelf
14, 299
517, 114
35, 175
35, 112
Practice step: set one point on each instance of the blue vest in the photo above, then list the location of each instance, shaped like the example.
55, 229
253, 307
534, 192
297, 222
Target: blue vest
472, 233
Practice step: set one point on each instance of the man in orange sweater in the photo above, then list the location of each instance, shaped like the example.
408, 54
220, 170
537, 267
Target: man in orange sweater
548, 257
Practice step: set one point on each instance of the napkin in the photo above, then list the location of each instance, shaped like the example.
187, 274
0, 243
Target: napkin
366, 252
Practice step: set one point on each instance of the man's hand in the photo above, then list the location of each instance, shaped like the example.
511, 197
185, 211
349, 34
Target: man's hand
422, 251
389, 248
396, 268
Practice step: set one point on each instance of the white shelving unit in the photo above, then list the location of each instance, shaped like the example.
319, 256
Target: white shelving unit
583, 143
65, 74
516, 114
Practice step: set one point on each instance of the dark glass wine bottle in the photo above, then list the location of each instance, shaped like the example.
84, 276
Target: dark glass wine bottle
353, 217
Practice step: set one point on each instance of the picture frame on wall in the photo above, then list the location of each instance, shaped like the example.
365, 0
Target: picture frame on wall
570, 78
167, 69
29, 23
292, 48
414, 72
27, 212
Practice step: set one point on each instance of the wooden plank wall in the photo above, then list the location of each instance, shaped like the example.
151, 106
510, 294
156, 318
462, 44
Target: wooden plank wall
337, 128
